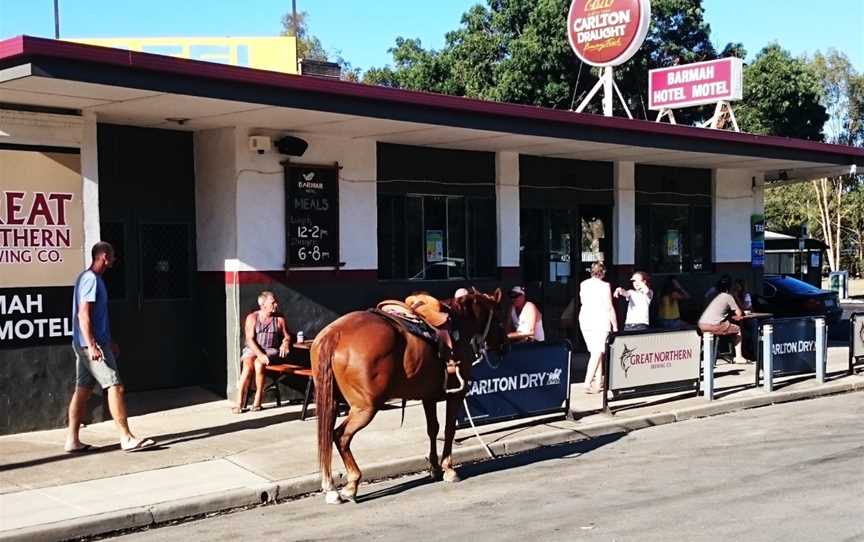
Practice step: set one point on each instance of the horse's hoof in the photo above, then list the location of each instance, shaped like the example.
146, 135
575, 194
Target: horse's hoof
436, 475
348, 495
451, 476
332, 497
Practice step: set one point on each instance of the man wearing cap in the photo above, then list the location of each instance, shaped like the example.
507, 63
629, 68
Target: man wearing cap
525, 322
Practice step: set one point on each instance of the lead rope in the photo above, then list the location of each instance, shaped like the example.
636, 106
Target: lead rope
474, 427
480, 353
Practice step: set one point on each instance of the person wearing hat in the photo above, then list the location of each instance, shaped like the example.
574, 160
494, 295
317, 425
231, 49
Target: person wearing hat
525, 322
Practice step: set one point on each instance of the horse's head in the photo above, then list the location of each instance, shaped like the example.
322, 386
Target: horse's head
478, 319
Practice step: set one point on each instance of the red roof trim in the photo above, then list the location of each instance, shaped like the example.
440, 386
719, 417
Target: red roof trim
29, 46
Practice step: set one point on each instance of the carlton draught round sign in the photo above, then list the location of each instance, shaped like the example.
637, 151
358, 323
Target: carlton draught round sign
607, 32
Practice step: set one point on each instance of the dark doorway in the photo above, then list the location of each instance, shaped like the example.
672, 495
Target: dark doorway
147, 211
558, 247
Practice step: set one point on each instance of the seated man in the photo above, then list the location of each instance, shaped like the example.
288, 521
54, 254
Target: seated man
267, 339
525, 322
717, 314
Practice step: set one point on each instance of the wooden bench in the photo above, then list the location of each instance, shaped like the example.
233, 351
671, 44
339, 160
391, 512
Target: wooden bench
277, 373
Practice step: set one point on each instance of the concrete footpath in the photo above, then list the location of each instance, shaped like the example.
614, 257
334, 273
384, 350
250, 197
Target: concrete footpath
211, 460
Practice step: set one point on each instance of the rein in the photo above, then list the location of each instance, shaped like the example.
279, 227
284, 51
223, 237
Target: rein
478, 345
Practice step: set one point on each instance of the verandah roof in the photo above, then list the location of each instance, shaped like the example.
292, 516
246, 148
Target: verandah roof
150, 90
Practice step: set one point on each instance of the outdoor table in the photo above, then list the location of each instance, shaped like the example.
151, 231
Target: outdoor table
303, 345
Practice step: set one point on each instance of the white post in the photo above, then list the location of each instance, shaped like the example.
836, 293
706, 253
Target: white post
767, 358
708, 365
820, 350
666, 113
607, 91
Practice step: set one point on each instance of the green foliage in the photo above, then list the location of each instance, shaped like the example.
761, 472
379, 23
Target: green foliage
842, 96
781, 96
308, 46
788, 207
517, 51
678, 35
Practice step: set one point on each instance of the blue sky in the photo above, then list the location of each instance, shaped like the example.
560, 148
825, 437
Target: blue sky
364, 30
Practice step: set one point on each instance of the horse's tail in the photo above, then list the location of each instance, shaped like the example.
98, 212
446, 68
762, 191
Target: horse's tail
325, 404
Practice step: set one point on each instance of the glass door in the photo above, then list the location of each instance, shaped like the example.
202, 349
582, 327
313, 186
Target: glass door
557, 248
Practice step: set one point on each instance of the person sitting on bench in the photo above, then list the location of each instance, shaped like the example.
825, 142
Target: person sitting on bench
267, 339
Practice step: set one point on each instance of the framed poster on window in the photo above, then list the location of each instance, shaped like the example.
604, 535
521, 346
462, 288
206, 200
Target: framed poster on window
673, 243
312, 215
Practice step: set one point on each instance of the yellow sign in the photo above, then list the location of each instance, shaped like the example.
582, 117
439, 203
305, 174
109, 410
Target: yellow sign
273, 53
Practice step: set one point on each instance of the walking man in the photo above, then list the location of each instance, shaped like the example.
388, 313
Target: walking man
95, 354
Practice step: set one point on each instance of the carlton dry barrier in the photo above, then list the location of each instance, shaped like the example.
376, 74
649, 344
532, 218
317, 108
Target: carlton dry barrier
652, 361
791, 346
531, 379
856, 339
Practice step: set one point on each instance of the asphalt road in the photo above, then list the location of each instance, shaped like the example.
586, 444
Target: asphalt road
789, 472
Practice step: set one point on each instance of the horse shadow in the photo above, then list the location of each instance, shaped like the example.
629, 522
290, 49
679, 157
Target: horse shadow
503, 463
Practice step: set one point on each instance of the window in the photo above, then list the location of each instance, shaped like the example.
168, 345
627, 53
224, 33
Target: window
673, 238
436, 237
673, 219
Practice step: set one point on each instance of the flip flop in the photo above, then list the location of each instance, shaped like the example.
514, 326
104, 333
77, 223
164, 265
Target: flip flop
83, 449
142, 444
237, 410
256, 408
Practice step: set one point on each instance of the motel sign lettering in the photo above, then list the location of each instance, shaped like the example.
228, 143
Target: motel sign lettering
32, 317
695, 84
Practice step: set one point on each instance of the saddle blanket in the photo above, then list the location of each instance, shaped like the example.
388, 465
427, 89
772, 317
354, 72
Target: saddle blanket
411, 323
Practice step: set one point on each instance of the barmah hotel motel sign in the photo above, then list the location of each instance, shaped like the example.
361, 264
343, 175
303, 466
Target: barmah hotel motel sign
607, 32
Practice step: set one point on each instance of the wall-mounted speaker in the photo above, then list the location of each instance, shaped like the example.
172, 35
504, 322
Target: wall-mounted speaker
292, 146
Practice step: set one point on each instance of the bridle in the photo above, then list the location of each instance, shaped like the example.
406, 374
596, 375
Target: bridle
478, 348
478, 341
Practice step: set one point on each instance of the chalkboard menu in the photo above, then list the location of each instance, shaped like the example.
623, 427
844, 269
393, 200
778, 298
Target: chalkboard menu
312, 209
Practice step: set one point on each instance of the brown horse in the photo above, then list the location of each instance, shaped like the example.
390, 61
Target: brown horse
371, 362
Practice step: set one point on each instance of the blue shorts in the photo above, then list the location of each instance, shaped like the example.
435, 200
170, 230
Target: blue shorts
88, 373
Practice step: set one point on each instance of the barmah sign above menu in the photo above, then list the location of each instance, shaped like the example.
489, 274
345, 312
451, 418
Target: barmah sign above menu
607, 32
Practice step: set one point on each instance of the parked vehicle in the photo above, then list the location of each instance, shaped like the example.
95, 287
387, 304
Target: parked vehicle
787, 296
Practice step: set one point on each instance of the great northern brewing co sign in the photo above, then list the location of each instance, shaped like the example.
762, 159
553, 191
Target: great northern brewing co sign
607, 32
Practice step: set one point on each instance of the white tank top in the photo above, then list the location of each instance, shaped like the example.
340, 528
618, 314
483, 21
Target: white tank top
521, 322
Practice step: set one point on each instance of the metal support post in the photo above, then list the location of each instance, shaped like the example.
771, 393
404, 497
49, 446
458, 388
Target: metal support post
607, 83
708, 355
820, 350
607, 91
767, 358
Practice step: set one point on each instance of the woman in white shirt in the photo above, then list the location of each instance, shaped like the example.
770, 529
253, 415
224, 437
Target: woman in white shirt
638, 301
596, 319
525, 322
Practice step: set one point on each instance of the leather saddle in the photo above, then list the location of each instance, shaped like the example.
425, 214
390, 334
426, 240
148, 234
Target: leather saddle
402, 316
